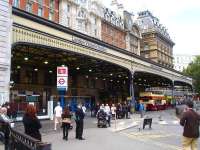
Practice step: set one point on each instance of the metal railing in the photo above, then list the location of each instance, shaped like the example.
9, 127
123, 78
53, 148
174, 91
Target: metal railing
16, 140
21, 141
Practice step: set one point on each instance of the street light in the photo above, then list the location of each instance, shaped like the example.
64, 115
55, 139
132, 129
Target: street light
46, 62
25, 58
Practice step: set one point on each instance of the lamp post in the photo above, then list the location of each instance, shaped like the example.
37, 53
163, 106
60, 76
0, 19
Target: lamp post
132, 95
173, 92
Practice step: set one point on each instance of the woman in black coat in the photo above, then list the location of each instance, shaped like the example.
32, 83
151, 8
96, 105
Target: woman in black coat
32, 123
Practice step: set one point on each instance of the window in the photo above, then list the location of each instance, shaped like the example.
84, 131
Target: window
16, 3
40, 2
68, 21
79, 25
40, 10
81, 14
95, 21
51, 15
95, 32
51, 4
29, 7
68, 8
146, 47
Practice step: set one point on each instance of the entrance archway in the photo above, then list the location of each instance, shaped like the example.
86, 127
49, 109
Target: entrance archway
34, 77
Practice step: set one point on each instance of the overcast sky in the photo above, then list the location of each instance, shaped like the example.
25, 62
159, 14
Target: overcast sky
181, 18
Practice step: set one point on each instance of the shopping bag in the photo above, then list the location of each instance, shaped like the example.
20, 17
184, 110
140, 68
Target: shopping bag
66, 120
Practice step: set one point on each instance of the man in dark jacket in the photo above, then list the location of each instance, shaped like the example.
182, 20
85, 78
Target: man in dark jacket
190, 121
79, 123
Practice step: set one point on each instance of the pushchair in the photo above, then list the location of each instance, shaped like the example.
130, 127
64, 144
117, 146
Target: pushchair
102, 121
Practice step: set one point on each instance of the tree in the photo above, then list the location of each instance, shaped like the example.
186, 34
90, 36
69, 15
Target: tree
193, 70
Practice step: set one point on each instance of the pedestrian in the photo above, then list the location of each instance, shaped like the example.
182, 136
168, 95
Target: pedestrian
79, 117
32, 123
102, 106
5, 124
57, 115
84, 109
190, 120
108, 114
141, 109
126, 110
113, 111
66, 122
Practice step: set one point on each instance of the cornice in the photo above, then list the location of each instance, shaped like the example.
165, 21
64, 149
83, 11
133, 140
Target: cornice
24, 14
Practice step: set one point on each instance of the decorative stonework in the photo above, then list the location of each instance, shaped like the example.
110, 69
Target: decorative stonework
113, 18
57, 40
150, 23
5, 54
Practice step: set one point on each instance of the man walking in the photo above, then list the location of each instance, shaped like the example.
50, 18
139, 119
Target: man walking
190, 121
141, 109
79, 123
57, 115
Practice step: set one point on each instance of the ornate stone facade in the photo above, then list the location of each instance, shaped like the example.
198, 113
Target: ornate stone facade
156, 43
133, 34
81, 15
112, 29
5, 50
52, 37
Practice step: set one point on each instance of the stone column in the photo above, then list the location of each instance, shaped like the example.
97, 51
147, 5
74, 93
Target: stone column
5, 50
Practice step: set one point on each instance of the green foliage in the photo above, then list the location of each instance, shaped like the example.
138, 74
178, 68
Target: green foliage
193, 70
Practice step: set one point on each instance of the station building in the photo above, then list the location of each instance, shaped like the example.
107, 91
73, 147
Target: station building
104, 64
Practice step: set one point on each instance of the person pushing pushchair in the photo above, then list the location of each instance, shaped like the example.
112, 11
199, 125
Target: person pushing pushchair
101, 117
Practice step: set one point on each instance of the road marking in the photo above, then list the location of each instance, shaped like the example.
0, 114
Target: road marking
163, 122
156, 143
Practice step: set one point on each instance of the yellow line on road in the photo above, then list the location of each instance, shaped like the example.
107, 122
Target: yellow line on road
156, 143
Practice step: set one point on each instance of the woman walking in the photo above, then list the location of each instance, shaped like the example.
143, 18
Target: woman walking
66, 121
32, 123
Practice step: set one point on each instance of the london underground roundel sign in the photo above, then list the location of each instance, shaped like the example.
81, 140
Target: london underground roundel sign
62, 78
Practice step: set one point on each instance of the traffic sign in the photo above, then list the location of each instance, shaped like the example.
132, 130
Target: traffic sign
62, 82
62, 78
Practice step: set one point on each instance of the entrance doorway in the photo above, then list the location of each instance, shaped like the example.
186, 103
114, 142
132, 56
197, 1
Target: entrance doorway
90, 80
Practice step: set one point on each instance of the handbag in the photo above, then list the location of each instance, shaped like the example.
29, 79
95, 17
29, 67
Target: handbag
66, 120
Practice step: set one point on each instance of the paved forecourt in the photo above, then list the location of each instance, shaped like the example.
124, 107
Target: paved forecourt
165, 134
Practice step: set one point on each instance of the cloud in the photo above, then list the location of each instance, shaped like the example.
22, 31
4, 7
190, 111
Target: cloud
181, 17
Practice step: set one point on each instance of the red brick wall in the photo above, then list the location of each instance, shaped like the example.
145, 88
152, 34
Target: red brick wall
56, 11
45, 8
115, 37
23, 4
35, 8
